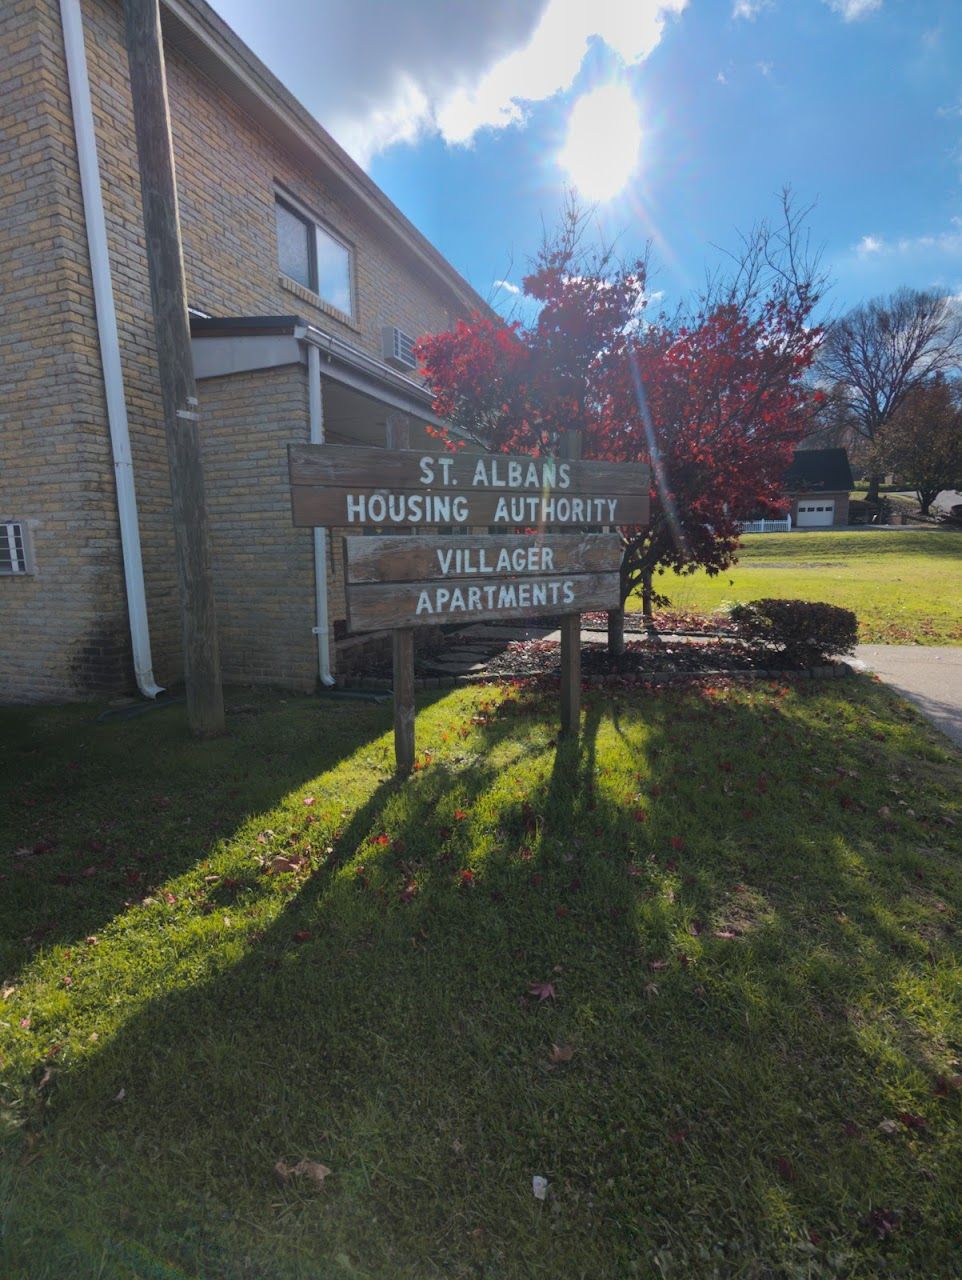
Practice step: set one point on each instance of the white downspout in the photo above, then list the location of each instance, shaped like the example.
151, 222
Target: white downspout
73, 39
323, 629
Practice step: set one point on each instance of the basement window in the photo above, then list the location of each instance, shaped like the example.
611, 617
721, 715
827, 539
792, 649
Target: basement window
310, 255
15, 550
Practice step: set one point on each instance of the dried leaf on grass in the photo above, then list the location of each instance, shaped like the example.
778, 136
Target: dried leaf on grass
310, 1169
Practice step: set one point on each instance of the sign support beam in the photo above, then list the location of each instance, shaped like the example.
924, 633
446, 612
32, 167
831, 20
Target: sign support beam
571, 635
402, 644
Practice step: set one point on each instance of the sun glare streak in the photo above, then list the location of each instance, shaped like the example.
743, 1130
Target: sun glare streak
603, 142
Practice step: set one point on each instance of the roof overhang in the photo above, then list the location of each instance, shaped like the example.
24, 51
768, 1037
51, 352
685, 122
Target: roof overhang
242, 344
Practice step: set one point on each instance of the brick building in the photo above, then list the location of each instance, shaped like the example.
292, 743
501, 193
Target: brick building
306, 287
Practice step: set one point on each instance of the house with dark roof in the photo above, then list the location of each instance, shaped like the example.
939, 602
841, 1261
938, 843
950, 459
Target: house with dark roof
307, 288
817, 485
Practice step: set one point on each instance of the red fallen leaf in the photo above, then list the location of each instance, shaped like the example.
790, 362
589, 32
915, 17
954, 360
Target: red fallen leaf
170, 898
382, 839
44, 846
883, 1222
561, 912
525, 854
677, 843
657, 965
466, 878
679, 1136
89, 871
683, 959
460, 814
725, 766
641, 815
944, 1085
912, 1121
24, 1024
747, 814
785, 1168
308, 799
850, 1129
535, 879
543, 990
814, 1238
671, 865
761, 786
303, 935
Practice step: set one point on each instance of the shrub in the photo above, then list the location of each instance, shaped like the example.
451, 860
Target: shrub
804, 631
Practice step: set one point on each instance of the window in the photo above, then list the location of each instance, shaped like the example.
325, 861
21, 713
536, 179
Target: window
313, 257
15, 551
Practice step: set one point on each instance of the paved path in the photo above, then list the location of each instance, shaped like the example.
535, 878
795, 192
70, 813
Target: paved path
928, 675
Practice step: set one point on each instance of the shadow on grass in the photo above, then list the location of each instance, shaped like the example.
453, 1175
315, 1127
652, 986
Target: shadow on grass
696, 897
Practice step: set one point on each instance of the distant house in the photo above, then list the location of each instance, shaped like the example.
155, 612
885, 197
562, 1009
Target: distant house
817, 485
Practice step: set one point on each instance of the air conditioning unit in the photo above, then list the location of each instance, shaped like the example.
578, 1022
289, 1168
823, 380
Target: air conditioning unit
397, 348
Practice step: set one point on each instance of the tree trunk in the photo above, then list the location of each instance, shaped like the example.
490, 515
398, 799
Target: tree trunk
926, 497
873, 486
646, 595
616, 632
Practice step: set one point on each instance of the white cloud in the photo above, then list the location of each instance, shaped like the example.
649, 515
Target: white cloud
749, 9
506, 285
551, 58
722, 78
947, 243
766, 68
852, 10
379, 74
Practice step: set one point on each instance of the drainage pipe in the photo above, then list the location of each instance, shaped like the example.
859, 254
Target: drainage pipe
73, 39
323, 629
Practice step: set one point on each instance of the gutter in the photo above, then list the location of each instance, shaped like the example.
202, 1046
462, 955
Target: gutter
323, 628
109, 342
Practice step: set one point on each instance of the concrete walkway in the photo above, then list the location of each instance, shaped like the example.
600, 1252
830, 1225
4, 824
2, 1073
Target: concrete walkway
930, 676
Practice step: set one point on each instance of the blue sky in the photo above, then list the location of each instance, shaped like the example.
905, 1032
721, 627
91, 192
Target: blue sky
460, 112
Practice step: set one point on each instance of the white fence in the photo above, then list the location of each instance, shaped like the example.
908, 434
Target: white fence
767, 526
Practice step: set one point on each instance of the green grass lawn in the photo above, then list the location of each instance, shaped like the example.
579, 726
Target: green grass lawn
701, 972
905, 586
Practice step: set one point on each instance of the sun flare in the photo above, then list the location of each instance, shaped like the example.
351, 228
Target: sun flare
603, 142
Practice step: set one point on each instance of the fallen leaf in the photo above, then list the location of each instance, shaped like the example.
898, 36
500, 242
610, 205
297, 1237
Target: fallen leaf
888, 1128
728, 934
282, 863
24, 1024
7, 990
912, 1121
650, 990
561, 1053
119, 1097
543, 990
539, 1187
308, 800
657, 965
785, 1168
944, 1085
317, 1173
303, 935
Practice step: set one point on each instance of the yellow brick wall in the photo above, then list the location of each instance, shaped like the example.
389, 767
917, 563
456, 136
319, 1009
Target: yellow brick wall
55, 463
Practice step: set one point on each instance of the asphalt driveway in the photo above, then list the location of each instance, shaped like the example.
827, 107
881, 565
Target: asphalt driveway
930, 676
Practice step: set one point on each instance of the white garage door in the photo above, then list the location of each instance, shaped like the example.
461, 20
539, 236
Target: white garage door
816, 511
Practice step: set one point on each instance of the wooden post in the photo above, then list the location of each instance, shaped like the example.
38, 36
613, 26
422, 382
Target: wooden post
571, 635
399, 437
145, 55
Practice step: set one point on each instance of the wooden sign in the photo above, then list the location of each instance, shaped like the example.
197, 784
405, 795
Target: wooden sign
399, 583
341, 486
410, 582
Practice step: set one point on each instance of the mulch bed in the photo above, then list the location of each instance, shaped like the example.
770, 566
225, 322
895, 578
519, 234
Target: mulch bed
641, 657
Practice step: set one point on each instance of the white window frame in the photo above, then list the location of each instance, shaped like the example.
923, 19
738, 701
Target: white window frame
25, 557
284, 197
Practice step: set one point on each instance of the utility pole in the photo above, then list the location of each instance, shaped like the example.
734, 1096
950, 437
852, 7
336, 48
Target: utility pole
145, 55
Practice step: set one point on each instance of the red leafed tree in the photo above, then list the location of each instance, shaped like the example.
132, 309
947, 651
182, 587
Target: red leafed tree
712, 397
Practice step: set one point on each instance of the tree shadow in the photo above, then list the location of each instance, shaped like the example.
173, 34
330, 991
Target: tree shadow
738, 991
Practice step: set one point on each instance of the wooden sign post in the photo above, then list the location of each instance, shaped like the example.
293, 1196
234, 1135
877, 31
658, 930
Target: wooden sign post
397, 582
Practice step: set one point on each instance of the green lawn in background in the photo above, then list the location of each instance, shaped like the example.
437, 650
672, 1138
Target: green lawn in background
734, 913
904, 585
